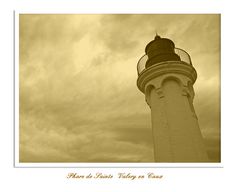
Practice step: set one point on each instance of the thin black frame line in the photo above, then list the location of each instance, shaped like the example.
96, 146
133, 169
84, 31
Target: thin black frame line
14, 123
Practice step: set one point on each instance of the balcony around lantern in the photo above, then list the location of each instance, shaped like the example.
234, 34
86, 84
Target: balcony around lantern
183, 55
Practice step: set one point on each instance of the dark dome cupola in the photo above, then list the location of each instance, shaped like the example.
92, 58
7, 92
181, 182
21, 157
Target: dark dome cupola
160, 50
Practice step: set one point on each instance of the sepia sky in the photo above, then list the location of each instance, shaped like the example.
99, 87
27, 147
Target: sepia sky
78, 96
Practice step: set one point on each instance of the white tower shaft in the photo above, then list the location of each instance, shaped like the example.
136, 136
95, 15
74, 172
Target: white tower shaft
169, 93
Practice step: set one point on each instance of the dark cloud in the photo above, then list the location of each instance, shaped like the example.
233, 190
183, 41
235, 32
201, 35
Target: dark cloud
214, 148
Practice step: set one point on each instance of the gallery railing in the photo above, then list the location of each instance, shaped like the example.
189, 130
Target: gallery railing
184, 56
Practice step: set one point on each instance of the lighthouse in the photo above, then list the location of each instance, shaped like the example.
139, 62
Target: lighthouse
166, 77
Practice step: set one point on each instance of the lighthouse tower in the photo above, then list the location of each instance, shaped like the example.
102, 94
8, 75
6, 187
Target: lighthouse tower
166, 77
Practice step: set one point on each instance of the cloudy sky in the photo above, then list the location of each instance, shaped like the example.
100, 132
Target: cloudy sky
78, 96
